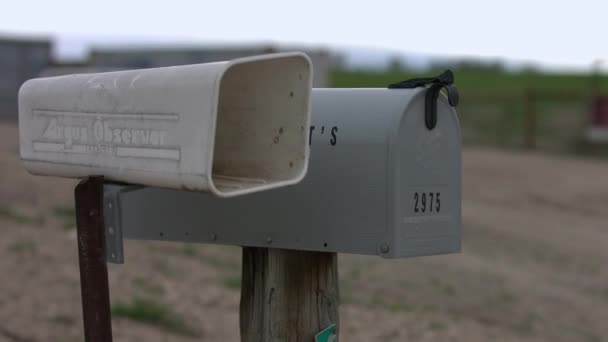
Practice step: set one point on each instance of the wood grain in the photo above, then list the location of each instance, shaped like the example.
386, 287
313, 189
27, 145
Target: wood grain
287, 296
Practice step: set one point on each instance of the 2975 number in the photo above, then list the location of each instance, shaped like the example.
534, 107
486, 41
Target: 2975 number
427, 202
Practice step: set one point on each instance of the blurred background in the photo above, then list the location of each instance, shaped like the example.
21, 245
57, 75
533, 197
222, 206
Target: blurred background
534, 116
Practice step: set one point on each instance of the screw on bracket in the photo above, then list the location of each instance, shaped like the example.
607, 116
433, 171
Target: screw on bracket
112, 222
384, 248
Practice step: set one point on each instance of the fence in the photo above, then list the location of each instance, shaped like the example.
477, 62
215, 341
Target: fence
533, 119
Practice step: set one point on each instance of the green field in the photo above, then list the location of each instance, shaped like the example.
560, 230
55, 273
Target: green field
473, 81
495, 106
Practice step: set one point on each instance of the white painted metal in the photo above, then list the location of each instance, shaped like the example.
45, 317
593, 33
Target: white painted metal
229, 128
380, 183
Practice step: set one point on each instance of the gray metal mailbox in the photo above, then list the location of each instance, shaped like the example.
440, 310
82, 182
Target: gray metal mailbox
379, 183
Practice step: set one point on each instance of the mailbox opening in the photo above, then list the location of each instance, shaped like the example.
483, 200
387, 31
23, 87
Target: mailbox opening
261, 136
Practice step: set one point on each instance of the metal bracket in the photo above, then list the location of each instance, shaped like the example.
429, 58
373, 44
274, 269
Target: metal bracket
113, 227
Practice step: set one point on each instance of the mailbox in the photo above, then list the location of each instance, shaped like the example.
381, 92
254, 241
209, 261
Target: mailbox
229, 128
381, 181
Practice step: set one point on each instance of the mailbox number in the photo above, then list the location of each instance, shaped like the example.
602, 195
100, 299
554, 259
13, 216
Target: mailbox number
427, 202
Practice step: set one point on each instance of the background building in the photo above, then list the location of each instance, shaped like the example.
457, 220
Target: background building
20, 60
126, 58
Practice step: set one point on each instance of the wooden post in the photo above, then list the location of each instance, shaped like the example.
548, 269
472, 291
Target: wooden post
94, 285
287, 296
530, 119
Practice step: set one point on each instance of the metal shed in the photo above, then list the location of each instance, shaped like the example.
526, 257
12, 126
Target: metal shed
20, 60
152, 57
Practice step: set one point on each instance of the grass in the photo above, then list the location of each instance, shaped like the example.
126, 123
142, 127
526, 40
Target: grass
17, 216
437, 326
527, 324
492, 109
162, 265
446, 288
219, 262
347, 293
449, 290
469, 81
23, 247
401, 307
504, 297
67, 215
147, 287
524, 327
154, 313
188, 250
232, 282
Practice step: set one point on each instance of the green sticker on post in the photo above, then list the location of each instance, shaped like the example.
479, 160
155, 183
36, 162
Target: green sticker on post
327, 335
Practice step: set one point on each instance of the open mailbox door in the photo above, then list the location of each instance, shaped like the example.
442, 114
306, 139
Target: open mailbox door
229, 128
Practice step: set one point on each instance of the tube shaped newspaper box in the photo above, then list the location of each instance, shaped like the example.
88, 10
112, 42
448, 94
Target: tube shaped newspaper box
229, 128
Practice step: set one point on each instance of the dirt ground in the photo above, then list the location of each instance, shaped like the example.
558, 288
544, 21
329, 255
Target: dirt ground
533, 266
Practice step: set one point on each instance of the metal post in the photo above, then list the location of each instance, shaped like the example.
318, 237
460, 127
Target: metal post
92, 259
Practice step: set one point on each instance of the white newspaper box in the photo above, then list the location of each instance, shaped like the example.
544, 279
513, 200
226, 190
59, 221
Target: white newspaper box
228, 128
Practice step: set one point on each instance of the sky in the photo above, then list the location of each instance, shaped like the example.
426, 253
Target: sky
569, 34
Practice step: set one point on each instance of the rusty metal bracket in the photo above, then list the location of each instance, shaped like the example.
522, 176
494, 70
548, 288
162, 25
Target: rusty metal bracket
94, 285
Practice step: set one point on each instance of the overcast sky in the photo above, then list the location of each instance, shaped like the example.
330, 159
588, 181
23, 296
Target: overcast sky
568, 33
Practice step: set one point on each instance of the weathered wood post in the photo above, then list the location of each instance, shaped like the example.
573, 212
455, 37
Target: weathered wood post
287, 295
